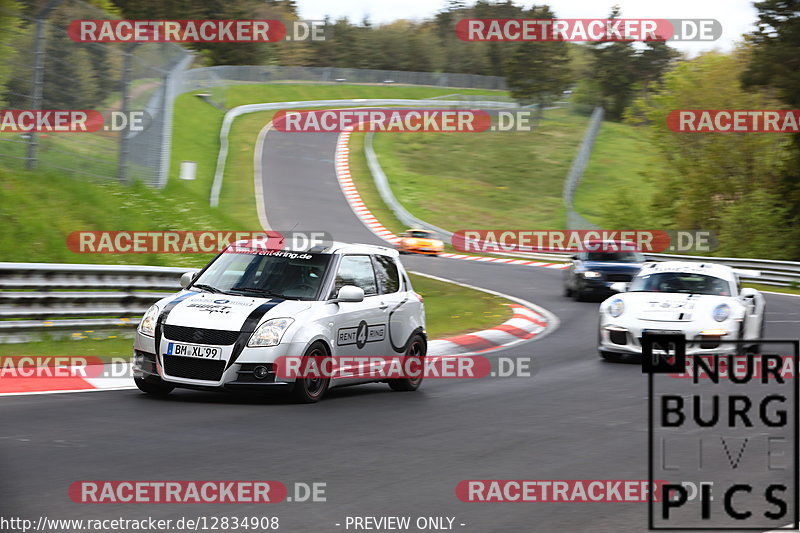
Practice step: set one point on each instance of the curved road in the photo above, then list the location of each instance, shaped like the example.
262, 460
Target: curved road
380, 453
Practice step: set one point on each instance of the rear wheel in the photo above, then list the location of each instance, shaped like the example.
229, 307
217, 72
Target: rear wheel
415, 349
311, 389
154, 386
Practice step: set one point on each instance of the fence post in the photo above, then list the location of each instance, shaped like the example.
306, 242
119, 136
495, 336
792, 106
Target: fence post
38, 76
122, 161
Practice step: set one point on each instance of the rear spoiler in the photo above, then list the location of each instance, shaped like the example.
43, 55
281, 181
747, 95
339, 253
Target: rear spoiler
743, 272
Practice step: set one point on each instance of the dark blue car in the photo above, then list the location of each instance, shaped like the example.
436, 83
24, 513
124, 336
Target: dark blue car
591, 274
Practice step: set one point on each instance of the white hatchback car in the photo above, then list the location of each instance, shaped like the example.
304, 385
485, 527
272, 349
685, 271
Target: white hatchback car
248, 307
702, 301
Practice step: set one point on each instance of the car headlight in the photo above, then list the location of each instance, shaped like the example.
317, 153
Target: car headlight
148, 324
616, 307
591, 274
721, 312
270, 332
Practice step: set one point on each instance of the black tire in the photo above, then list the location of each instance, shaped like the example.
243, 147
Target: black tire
612, 357
154, 386
311, 390
416, 347
578, 295
755, 349
567, 291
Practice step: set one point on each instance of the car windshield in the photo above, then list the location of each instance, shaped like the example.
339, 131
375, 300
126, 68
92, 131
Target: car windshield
279, 274
680, 282
616, 257
421, 234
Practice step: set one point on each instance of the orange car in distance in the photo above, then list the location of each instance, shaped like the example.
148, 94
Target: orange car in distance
420, 241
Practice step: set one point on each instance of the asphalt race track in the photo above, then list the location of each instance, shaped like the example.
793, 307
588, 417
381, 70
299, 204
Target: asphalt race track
379, 452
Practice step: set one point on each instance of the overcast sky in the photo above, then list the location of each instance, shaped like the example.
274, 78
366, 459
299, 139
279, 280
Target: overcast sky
736, 16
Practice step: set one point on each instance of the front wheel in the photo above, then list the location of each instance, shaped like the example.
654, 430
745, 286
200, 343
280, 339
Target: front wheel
156, 388
416, 349
311, 389
755, 348
578, 295
612, 357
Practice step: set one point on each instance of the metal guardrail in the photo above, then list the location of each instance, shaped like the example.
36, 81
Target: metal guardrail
64, 300
574, 219
772, 272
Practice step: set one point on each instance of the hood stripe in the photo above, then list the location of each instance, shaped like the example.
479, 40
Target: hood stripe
162, 316
249, 327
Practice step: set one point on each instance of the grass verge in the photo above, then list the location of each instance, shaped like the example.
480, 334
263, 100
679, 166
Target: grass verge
102, 348
451, 309
772, 288
484, 180
620, 179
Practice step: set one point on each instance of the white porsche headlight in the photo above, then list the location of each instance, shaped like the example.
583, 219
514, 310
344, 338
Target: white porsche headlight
591, 274
148, 324
270, 332
616, 307
722, 312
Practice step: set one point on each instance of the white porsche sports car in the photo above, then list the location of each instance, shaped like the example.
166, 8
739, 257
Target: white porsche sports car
702, 301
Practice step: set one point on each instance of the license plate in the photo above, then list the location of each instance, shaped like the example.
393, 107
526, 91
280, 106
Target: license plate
194, 350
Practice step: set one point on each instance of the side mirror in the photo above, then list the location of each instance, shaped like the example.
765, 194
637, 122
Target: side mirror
619, 286
187, 278
575, 257
349, 293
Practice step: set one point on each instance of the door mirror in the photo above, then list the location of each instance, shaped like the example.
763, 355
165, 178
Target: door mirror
575, 257
619, 286
187, 278
350, 293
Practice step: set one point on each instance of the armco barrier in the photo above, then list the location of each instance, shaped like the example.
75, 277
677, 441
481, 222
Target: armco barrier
61, 300
574, 219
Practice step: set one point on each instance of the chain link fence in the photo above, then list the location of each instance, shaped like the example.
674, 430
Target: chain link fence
42, 68
212, 81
